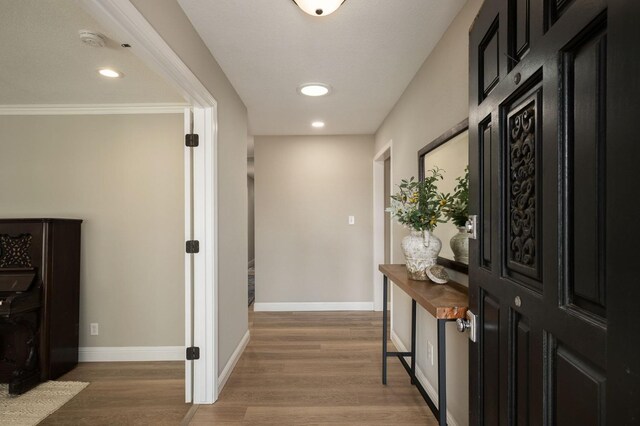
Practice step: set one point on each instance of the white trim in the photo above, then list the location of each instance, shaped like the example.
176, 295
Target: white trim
188, 266
378, 221
92, 109
126, 23
426, 384
205, 263
312, 306
131, 353
235, 357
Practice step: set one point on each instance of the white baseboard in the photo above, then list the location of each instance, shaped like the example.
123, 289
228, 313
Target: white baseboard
131, 353
431, 390
313, 306
235, 356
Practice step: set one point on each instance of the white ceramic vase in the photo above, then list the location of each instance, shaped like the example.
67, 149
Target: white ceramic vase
460, 246
421, 249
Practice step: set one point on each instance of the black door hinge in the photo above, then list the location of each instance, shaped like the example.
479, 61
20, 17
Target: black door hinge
193, 353
193, 246
191, 140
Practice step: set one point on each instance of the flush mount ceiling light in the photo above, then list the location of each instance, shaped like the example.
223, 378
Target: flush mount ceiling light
109, 73
318, 124
314, 89
319, 7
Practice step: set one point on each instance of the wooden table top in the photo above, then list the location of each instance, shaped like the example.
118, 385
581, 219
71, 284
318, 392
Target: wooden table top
443, 301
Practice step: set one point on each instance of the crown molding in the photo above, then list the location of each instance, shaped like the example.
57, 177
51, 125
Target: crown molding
93, 109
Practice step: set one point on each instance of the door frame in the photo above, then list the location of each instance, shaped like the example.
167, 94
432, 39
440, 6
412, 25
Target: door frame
127, 23
378, 220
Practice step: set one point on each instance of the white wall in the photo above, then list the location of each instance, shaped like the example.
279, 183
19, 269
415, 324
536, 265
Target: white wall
174, 27
306, 252
123, 176
435, 100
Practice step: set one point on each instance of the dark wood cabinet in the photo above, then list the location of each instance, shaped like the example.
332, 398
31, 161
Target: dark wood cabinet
53, 252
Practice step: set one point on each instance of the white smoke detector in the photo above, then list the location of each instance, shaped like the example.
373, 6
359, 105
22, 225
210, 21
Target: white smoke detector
92, 38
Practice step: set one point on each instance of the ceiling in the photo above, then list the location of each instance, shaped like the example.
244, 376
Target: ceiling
44, 61
368, 51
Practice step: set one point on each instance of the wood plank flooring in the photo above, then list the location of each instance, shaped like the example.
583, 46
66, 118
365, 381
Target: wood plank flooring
125, 393
320, 368
315, 368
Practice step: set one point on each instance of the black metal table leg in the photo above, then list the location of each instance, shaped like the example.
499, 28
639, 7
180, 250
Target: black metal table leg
442, 374
384, 330
413, 341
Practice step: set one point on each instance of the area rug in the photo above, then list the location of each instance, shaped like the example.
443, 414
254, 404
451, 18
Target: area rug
32, 407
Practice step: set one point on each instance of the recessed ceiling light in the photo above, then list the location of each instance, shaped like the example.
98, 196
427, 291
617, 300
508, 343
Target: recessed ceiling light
314, 89
318, 124
110, 73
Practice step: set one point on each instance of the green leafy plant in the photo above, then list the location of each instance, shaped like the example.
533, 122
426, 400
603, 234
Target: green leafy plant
457, 209
418, 204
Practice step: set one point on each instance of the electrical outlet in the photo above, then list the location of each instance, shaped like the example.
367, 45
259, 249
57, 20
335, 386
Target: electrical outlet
94, 329
430, 352
352, 220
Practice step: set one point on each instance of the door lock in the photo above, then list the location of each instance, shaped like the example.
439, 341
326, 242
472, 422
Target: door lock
469, 323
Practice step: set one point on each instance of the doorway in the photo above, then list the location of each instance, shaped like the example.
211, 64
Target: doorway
382, 228
251, 273
387, 215
125, 22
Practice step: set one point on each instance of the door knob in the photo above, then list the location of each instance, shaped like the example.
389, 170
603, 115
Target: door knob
462, 325
469, 323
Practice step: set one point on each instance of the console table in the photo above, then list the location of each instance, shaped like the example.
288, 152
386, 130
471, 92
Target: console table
446, 302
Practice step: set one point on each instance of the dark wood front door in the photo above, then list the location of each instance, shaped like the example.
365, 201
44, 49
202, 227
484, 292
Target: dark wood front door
550, 167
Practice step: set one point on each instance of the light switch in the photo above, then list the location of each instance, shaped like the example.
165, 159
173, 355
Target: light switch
352, 220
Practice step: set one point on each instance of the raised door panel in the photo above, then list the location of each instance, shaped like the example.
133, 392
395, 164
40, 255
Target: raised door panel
490, 337
487, 150
584, 94
519, 30
489, 55
575, 388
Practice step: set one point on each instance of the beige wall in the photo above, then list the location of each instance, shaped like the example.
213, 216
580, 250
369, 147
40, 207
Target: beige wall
123, 175
435, 100
306, 188
174, 27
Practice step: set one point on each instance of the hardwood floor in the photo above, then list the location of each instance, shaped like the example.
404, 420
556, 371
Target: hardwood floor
298, 369
125, 393
315, 368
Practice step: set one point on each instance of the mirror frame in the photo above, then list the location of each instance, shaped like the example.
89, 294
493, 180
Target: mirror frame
441, 140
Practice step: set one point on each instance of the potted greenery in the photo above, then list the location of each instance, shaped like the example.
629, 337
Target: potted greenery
458, 212
420, 207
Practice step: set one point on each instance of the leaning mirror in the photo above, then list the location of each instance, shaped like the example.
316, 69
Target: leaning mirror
449, 152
